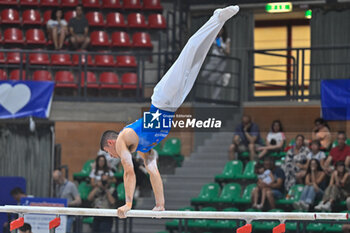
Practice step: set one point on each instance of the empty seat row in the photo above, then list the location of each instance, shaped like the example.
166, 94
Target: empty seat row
153, 5
95, 18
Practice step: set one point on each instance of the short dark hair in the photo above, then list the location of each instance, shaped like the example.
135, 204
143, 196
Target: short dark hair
300, 135
316, 142
26, 227
342, 132
54, 12
16, 191
79, 5
107, 135
257, 166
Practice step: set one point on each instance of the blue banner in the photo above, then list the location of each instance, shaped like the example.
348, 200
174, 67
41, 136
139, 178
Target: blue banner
335, 99
25, 98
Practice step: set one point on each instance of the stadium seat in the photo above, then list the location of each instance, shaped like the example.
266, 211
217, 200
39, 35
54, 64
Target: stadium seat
129, 81
153, 5
29, 3
13, 36
3, 75
85, 171
2, 57
49, 3
111, 4
126, 61
95, 19
109, 80
266, 226
99, 38
35, 36
115, 19
104, 60
69, 3
141, 40
10, 16
246, 196
248, 173
8, 2
201, 223
292, 196
136, 20
121, 194
231, 170
84, 189
174, 224
41, 75
39, 58
207, 194
156, 21
172, 146
15, 57
132, 4
227, 223
75, 59
16, 75
91, 3
61, 59
229, 193
119, 173
65, 79
31, 17
91, 80
121, 39
47, 16
69, 14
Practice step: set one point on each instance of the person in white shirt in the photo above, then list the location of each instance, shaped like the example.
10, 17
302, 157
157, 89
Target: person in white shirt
274, 141
266, 176
101, 168
57, 28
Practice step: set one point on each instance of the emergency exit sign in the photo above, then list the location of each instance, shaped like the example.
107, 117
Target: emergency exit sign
279, 7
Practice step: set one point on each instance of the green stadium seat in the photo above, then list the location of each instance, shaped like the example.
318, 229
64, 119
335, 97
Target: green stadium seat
291, 226
293, 195
248, 173
231, 170
246, 196
84, 189
244, 155
85, 171
121, 194
333, 228
88, 220
266, 225
171, 147
119, 174
225, 224
207, 194
201, 223
175, 223
315, 227
229, 193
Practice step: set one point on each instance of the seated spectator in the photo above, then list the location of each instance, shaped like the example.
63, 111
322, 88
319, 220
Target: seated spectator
275, 140
338, 153
321, 132
66, 189
101, 168
316, 153
79, 30
264, 176
274, 190
105, 197
295, 163
315, 184
26, 228
57, 28
246, 138
337, 190
17, 193
112, 162
346, 228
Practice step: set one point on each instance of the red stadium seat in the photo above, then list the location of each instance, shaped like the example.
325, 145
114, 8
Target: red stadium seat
50, 3
115, 19
35, 36
104, 60
15, 57
126, 61
91, 80
129, 81
141, 40
156, 21
3, 75
111, 4
99, 38
16, 75
65, 79
2, 57
13, 36
136, 20
153, 5
69, 3
69, 14
121, 39
47, 16
75, 59
61, 59
10, 16
132, 4
29, 2
109, 80
8, 2
31, 17
91, 3
42, 75
95, 18
39, 58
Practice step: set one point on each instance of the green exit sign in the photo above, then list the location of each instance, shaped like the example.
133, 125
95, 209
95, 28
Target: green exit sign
279, 7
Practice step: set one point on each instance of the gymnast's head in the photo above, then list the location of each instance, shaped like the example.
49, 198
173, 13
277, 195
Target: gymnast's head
108, 140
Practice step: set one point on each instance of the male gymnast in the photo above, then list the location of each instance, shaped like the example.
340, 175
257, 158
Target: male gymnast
167, 97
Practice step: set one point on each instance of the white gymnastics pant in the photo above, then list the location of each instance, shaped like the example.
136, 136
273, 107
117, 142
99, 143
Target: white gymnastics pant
175, 85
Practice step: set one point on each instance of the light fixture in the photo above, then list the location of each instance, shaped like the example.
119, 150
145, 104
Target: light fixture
279, 7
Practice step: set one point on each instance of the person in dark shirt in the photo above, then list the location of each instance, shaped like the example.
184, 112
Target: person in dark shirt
79, 30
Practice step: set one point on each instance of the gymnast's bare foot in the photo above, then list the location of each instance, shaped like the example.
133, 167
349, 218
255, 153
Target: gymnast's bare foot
158, 208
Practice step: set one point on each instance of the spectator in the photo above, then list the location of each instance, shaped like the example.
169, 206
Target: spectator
264, 176
315, 183
17, 193
111, 161
101, 168
321, 132
316, 153
346, 228
338, 153
275, 140
275, 190
26, 228
79, 30
66, 189
103, 196
295, 163
338, 188
57, 28
246, 138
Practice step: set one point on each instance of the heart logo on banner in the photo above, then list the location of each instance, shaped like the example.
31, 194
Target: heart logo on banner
14, 98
